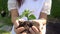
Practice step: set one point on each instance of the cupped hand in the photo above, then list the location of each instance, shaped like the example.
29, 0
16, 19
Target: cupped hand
42, 27
20, 29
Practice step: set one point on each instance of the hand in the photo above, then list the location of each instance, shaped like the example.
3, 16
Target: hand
34, 30
20, 29
42, 27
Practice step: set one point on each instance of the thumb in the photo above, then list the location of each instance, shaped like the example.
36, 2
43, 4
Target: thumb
16, 23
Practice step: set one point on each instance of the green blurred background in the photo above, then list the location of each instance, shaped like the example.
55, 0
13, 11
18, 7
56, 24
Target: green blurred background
55, 11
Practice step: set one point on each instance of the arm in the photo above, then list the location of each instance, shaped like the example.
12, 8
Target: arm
45, 10
42, 19
12, 6
14, 15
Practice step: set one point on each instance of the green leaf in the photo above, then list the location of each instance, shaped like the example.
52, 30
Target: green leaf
31, 17
25, 13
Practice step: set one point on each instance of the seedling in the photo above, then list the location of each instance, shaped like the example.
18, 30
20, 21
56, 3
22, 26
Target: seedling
27, 14
27, 24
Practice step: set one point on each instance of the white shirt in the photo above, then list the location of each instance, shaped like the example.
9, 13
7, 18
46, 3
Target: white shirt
32, 6
12, 4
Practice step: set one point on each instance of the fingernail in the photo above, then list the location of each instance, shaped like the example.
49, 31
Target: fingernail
22, 28
33, 26
29, 29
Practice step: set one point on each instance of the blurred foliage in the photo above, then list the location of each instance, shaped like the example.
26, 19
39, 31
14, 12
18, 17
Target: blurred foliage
55, 11
4, 32
3, 6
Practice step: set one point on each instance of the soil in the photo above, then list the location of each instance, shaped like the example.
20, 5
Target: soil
27, 25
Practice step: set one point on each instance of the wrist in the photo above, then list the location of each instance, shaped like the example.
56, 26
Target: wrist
44, 21
14, 19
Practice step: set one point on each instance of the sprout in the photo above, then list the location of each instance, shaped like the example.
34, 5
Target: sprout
27, 14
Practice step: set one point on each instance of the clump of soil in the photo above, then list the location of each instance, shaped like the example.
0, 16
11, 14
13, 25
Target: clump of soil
27, 25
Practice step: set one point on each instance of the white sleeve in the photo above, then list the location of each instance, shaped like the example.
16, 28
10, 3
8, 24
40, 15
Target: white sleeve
12, 4
47, 7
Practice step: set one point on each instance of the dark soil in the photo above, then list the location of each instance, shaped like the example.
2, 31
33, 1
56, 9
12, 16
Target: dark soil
27, 25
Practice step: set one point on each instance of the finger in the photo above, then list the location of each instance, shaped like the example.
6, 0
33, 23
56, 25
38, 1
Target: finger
16, 24
17, 21
35, 29
24, 33
31, 31
22, 20
38, 21
20, 29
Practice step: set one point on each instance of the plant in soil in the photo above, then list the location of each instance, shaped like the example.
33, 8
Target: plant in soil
27, 24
